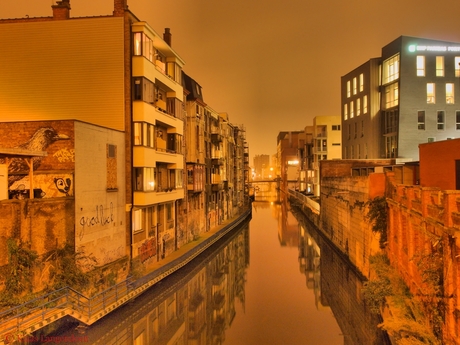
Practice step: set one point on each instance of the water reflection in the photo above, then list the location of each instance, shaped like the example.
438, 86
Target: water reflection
337, 284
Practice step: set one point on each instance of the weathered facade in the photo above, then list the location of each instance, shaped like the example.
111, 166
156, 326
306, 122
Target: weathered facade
344, 204
118, 97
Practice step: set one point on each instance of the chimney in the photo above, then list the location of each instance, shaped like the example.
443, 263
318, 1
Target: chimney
119, 7
61, 10
167, 37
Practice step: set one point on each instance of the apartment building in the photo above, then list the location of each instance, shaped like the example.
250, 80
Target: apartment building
415, 82
125, 79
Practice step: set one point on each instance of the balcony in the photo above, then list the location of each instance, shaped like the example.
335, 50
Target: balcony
216, 138
217, 161
216, 182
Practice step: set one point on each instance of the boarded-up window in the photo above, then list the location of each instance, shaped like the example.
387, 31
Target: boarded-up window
111, 167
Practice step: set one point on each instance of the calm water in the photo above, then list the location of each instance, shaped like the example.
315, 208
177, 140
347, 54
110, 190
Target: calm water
274, 281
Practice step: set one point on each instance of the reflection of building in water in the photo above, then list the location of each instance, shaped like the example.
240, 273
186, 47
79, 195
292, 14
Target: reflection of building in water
196, 305
337, 284
288, 229
309, 260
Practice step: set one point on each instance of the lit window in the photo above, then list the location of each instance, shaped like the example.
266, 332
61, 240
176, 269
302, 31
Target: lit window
358, 107
345, 112
430, 93
440, 119
144, 179
391, 95
450, 93
137, 220
457, 119
352, 109
391, 69
420, 66
137, 41
365, 104
355, 86
361, 82
457, 66
439, 66
348, 89
421, 119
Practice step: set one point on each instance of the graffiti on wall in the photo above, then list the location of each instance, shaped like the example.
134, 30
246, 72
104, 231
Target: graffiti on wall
46, 186
27, 147
101, 217
65, 155
148, 249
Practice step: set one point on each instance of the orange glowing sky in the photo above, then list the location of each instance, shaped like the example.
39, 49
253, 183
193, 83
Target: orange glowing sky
274, 65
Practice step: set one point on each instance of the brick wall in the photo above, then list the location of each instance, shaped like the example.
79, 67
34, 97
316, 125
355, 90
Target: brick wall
423, 227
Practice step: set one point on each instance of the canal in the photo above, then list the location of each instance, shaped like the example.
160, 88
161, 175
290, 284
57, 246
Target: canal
275, 280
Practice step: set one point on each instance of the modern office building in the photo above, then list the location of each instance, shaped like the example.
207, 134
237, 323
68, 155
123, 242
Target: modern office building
360, 112
415, 82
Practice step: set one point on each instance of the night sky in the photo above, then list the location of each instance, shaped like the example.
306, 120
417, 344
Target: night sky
274, 65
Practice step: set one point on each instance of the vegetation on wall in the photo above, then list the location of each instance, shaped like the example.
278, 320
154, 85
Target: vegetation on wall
377, 215
404, 320
430, 267
70, 268
18, 272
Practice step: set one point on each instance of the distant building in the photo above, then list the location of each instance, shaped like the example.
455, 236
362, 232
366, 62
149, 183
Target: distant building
262, 168
404, 98
288, 144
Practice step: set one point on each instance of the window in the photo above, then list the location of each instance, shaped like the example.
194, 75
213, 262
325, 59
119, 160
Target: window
430, 93
144, 179
358, 150
144, 134
352, 109
450, 93
345, 112
362, 129
391, 95
143, 90
361, 82
137, 41
457, 66
336, 127
421, 119
439, 66
440, 115
355, 86
365, 104
349, 131
137, 220
391, 69
356, 130
358, 107
348, 89
420, 66
457, 120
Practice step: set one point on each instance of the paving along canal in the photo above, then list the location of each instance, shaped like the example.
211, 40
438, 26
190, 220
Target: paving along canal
272, 281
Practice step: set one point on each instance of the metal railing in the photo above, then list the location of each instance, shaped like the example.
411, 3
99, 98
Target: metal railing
41, 311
